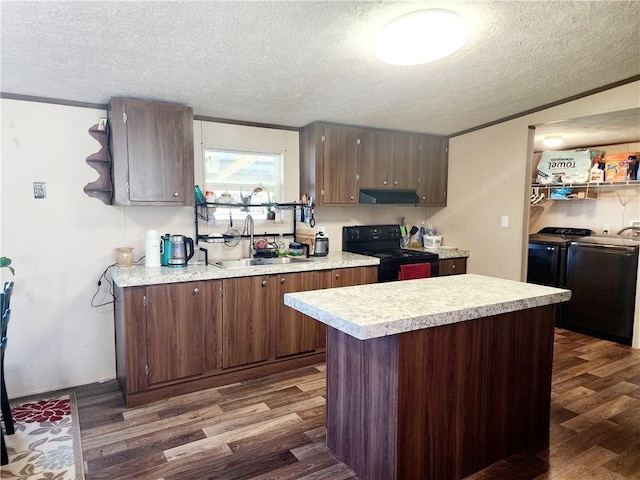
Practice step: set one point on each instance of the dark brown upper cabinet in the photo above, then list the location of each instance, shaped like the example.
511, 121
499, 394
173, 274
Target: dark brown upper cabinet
336, 161
434, 163
152, 150
329, 164
389, 159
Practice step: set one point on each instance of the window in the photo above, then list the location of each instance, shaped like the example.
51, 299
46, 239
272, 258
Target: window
243, 177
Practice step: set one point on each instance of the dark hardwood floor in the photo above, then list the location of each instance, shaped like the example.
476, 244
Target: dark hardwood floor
273, 428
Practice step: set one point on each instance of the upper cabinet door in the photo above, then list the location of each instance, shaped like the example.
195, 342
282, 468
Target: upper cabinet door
375, 159
405, 163
434, 163
340, 165
152, 148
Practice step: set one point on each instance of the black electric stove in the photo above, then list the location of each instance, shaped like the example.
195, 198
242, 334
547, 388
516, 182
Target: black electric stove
383, 242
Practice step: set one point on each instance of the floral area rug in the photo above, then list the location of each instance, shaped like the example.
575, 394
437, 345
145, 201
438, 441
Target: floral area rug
46, 444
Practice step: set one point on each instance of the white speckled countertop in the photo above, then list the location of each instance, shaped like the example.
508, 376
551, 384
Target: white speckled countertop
445, 252
381, 309
140, 275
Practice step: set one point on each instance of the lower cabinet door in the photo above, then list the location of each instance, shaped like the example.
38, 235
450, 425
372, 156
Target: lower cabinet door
247, 305
175, 316
295, 332
452, 266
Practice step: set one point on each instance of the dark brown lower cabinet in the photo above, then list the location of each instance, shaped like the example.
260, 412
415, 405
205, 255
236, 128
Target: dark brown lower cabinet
175, 316
441, 402
182, 337
452, 266
248, 305
295, 332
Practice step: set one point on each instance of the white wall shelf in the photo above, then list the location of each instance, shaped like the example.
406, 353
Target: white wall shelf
587, 191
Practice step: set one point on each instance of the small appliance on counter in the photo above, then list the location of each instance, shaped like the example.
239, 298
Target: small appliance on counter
152, 248
176, 250
321, 245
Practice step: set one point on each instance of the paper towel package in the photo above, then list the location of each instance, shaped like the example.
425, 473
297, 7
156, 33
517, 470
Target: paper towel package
568, 166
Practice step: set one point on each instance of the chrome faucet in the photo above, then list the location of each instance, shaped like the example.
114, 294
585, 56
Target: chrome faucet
249, 221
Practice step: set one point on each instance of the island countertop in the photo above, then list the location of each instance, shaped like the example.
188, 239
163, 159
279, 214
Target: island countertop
382, 309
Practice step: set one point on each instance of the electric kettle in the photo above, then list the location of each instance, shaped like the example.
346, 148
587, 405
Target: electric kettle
321, 246
176, 250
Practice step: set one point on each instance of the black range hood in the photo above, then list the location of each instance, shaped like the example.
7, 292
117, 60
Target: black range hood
386, 197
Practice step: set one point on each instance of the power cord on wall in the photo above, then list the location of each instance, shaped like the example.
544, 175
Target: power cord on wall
110, 282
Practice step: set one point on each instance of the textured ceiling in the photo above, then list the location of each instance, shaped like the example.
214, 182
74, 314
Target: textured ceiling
592, 131
290, 63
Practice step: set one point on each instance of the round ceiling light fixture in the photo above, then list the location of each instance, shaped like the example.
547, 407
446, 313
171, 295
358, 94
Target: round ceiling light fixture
421, 37
553, 141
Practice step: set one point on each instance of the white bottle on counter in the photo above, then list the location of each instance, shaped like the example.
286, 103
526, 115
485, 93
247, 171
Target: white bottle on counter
152, 248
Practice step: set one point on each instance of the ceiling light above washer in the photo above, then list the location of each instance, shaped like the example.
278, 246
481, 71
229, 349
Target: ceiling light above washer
421, 37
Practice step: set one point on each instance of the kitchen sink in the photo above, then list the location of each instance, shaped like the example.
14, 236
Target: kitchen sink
256, 262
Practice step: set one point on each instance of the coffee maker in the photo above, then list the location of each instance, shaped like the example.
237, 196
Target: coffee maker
176, 250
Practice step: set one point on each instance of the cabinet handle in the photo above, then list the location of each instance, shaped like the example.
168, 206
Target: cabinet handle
352, 197
176, 194
424, 198
196, 291
395, 183
283, 280
453, 267
264, 283
337, 275
384, 183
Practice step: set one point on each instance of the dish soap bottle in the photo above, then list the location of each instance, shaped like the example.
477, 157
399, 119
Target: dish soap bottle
421, 234
281, 248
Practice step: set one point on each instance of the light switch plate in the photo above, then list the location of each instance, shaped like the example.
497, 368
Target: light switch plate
504, 221
39, 190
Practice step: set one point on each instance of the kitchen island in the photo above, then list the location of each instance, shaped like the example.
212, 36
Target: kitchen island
435, 378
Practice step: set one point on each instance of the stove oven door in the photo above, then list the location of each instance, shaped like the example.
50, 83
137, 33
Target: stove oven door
390, 272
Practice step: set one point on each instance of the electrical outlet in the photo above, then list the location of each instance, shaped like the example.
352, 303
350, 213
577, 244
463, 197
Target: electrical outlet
504, 221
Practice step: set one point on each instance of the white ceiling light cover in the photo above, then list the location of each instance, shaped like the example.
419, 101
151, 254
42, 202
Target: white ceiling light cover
421, 37
553, 141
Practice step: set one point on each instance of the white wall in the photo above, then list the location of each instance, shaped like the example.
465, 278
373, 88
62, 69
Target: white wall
60, 246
